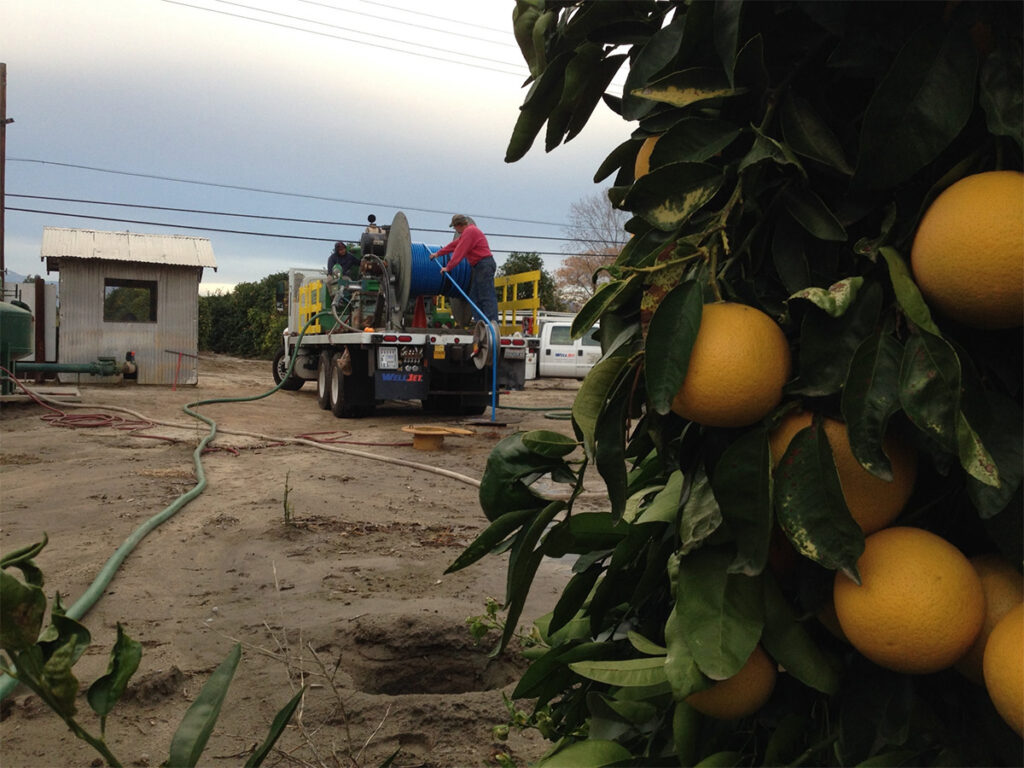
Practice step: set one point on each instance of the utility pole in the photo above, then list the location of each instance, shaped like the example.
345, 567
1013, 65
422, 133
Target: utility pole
3, 168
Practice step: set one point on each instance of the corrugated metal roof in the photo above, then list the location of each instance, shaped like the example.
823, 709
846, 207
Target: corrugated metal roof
177, 250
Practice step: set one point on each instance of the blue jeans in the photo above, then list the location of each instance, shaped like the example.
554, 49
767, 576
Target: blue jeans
481, 289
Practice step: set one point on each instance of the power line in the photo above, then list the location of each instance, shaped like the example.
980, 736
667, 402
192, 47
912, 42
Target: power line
197, 228
271, 191
416, 13
446, 59
259, 216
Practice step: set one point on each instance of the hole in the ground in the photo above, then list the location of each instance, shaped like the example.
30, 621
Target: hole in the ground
401, 654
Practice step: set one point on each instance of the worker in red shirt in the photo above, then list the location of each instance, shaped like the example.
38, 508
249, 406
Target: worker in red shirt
471, 245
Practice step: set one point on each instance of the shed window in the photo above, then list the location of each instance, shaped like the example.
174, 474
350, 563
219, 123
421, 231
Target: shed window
129, 301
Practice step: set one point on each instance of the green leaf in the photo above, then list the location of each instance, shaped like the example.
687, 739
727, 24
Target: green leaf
503, 488
766, 148
492, 536
787, 641
594, 392
930, 387
722, 613
835, 299
810, 506
809, 135
190, 739
585, 754
668, 196
628, 673
277, 727
693, 140
688, 87
610, 440
907, 293
670, 337
1001, 94
524, 18
106, 691
644, 645
574, 595
22, 608
701, 515
870, 397
680, 668
597, 304
973, 456
22, 559
654, 56
1004, 439
545, 442
921, 105
542, 98
721, 760
812, 214
686, 730
742, 482
727, 33
58, 679
664, 507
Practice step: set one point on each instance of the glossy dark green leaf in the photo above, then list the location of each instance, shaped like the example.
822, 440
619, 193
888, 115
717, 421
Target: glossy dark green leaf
58, 680
554, 665
668, 196
688, 87
974, 457
524, 18
930, 387
654, 56
810, 507
871, 396
827, 344
586, 754
610, 440
721, 760
680, 667
1001, 94
546, 442
524, 559
578, 71
628, 673
22, 607
768, 149
742, 482
693, 140
106, 691
727, 33
686, 730
491, 537
789, 256
573, 596
907, 293
584, 532
277, 727
540, 101
664, 505
787, 641
785, 743
21, 559
670, 337
594, 392
809, 135
502, 487
921, 105
811, 212
1004, 440
722, 613
62, 630
701, 515
190, 739
597, 304
623, 156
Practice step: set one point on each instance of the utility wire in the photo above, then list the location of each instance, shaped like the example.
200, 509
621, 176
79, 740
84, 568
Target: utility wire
415, 13
198, 228
446, 59
257, 216
272, 191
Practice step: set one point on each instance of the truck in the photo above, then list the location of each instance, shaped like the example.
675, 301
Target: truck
558, 354
384, 336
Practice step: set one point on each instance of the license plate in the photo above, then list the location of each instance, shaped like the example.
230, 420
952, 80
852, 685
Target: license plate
387, 358
515, 354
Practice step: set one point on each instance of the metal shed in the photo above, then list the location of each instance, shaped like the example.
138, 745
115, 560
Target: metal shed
126, 292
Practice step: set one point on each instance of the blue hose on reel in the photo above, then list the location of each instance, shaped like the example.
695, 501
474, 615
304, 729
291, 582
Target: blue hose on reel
427, 280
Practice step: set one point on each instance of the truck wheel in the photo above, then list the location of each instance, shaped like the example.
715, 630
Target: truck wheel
281, 363
323, 380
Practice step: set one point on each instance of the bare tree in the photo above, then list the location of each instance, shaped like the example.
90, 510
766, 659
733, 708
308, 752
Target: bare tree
597, 230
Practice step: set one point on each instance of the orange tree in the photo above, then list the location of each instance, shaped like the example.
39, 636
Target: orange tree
799, 146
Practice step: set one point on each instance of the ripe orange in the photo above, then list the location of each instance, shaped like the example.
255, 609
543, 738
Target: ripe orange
873, 502
1004, 668
740, 695
968, 253
738, 365
1004, 591
643, 158
920, 604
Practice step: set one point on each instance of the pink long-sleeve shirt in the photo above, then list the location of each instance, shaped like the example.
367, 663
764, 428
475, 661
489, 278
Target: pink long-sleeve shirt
471, 245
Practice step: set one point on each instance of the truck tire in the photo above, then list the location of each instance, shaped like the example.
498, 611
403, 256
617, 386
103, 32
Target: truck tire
323, 380
281, 363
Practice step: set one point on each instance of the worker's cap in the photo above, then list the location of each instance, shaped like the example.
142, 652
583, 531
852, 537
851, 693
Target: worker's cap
458, 220
340, 244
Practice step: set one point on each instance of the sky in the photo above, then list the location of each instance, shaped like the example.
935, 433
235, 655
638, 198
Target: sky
324, 111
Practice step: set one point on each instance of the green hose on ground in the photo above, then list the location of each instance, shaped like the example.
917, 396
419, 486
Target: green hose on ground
92, 594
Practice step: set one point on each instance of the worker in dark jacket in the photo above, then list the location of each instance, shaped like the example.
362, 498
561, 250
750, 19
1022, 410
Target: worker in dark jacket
341, 263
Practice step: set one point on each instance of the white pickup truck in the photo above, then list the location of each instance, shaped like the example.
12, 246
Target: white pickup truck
561, 355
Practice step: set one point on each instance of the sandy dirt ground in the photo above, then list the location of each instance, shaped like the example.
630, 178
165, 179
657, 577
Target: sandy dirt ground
327, 567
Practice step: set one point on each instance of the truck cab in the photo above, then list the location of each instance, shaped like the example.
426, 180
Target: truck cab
561, 355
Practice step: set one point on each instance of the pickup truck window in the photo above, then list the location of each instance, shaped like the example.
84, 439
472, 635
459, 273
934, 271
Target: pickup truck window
561, 334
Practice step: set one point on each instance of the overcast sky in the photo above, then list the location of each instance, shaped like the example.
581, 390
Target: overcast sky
326, 111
